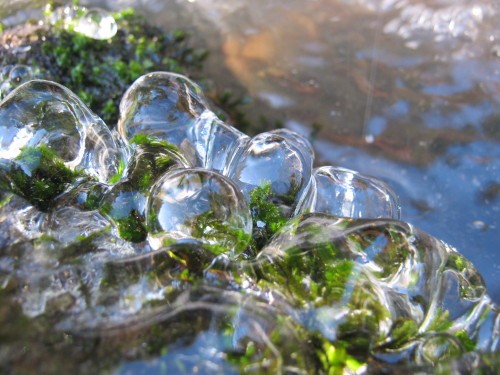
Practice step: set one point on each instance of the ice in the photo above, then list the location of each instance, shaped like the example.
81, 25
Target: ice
279, 159
199, 204
343, 192
125, 202
101, 240
165, 106
43, 113
385, 273
172, 108
12, 76
96, 24
216, 143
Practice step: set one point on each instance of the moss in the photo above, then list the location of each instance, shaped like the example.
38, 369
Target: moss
468, 343
39, 176
132, 227
142, 139
267, 216
119, 174
100, 71
336, 360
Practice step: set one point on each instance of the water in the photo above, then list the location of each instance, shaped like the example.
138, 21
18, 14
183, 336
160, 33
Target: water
362, 293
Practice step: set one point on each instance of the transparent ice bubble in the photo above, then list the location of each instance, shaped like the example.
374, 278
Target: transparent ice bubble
12, 76
299, 140
276, 159
200, 204
43, 113
96, 24
165, 106
125, 202
438, 347
216, 143
20, 74
343, 192
382, 281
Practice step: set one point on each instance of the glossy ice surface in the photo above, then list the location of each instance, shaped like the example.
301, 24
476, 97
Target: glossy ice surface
155, 235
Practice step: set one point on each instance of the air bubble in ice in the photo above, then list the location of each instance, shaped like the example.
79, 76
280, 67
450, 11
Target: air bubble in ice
126, 200
12, 76
343, 192
200, 204
165, 106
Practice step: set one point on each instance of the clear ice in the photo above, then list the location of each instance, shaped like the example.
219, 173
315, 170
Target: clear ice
43, 113
281, 159
97, 24
149, 235
94, 23
199, 204
346, 193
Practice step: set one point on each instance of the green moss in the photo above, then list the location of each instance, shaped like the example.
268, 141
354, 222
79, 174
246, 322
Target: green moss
468, 343
39, 175
142, 139
441, 321
119, 174
335, 359
131, 227
267, 216
100, 71
403, 331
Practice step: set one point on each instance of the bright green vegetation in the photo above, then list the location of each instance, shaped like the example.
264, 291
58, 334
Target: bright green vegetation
38, 175
99, 71
266, 216
125, 203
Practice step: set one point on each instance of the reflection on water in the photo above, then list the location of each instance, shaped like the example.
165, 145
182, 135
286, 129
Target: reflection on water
405, 90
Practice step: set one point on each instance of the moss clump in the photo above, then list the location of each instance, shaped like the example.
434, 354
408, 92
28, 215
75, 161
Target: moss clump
267, 216
132, 227
38, 175
99, 71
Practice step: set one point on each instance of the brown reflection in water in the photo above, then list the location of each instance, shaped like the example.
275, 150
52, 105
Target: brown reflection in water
341, 66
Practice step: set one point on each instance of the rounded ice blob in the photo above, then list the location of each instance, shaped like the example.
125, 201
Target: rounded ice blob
200, 204
276, 159
126, 200
343, 192
216, 144
43, 113
96, 24
160, 104
379, 284
12, 76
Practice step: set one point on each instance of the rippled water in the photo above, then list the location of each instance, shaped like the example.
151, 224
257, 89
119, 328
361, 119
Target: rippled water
153, 242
